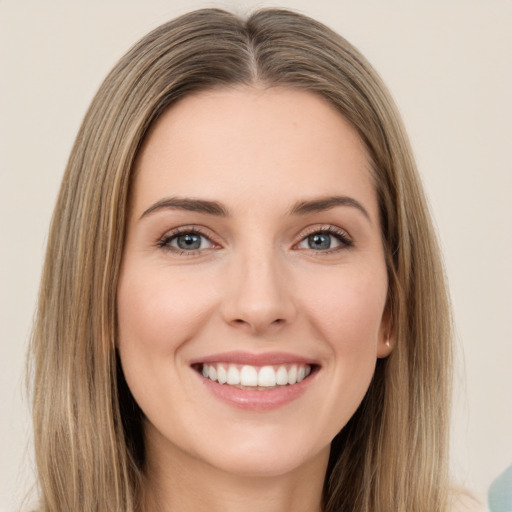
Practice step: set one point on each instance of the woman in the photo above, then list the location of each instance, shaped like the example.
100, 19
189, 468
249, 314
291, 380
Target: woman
243, 304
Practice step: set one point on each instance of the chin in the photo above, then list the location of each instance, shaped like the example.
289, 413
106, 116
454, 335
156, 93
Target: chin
268, 463
266, 451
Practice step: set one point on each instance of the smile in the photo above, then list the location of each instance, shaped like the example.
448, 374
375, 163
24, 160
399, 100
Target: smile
259, 378
256, 382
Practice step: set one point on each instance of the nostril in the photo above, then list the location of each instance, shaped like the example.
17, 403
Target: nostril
258, 326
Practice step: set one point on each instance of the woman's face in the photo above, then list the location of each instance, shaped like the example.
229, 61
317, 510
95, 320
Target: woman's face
252, 295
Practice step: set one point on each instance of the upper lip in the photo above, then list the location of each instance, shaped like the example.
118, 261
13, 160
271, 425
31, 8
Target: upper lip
248, 358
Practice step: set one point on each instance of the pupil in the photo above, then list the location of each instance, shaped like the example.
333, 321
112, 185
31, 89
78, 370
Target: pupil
189, 241
319, 241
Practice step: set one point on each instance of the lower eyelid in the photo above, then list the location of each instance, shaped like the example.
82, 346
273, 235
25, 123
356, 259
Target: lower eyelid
204, 238
165, 241
339, 244
341, 236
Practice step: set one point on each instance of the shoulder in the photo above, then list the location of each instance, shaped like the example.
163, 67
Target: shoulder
462, 501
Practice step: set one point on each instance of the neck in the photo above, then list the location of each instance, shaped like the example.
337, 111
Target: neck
180, 483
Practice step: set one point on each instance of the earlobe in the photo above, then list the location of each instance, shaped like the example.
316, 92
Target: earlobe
387, 336
385, 346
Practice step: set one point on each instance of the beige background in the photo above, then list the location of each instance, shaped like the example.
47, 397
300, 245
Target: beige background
448, 64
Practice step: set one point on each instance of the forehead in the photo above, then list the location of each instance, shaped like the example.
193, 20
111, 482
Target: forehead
237, 144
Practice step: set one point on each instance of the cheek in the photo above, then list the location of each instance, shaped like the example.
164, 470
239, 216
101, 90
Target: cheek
158, 311
344, 309
347, 308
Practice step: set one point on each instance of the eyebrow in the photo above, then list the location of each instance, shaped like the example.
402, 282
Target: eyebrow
217, 209
192, 205
326, 203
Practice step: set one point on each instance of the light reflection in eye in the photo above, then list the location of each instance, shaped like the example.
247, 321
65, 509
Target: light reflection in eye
325, 240
192, 240
186, 241
319, 241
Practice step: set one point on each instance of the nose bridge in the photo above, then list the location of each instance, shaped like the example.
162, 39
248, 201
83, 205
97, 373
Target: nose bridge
259, 295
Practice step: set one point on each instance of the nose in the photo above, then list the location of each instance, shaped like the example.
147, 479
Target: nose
259, 298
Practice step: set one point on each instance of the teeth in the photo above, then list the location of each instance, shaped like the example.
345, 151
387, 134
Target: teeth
282, 376
267, 377
257, 377
233, 375
292, 375
248, 376
222, 374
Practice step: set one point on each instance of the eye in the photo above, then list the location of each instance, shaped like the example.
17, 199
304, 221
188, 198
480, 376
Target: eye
325, 240
189, 240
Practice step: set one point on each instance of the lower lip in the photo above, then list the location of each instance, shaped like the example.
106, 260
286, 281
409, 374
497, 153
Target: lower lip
265, 400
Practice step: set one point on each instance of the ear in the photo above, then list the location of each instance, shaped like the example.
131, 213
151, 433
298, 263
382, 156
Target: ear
386, 334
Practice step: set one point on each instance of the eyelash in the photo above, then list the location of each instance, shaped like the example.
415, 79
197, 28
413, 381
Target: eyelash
164, 242
341, 236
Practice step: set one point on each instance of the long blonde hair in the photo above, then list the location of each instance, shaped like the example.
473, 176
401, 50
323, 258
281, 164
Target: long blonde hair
392, 455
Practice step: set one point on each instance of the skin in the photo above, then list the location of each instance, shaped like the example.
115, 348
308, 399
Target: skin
255, 285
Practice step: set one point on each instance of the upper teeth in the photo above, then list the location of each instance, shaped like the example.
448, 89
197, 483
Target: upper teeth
256, 376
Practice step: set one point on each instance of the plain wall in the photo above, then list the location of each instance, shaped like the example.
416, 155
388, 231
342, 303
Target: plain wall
448, 65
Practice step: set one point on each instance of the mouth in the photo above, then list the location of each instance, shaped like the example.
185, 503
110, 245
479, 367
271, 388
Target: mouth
255, 377
256, 382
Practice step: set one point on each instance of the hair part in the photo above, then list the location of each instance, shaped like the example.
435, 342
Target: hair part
392, 455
